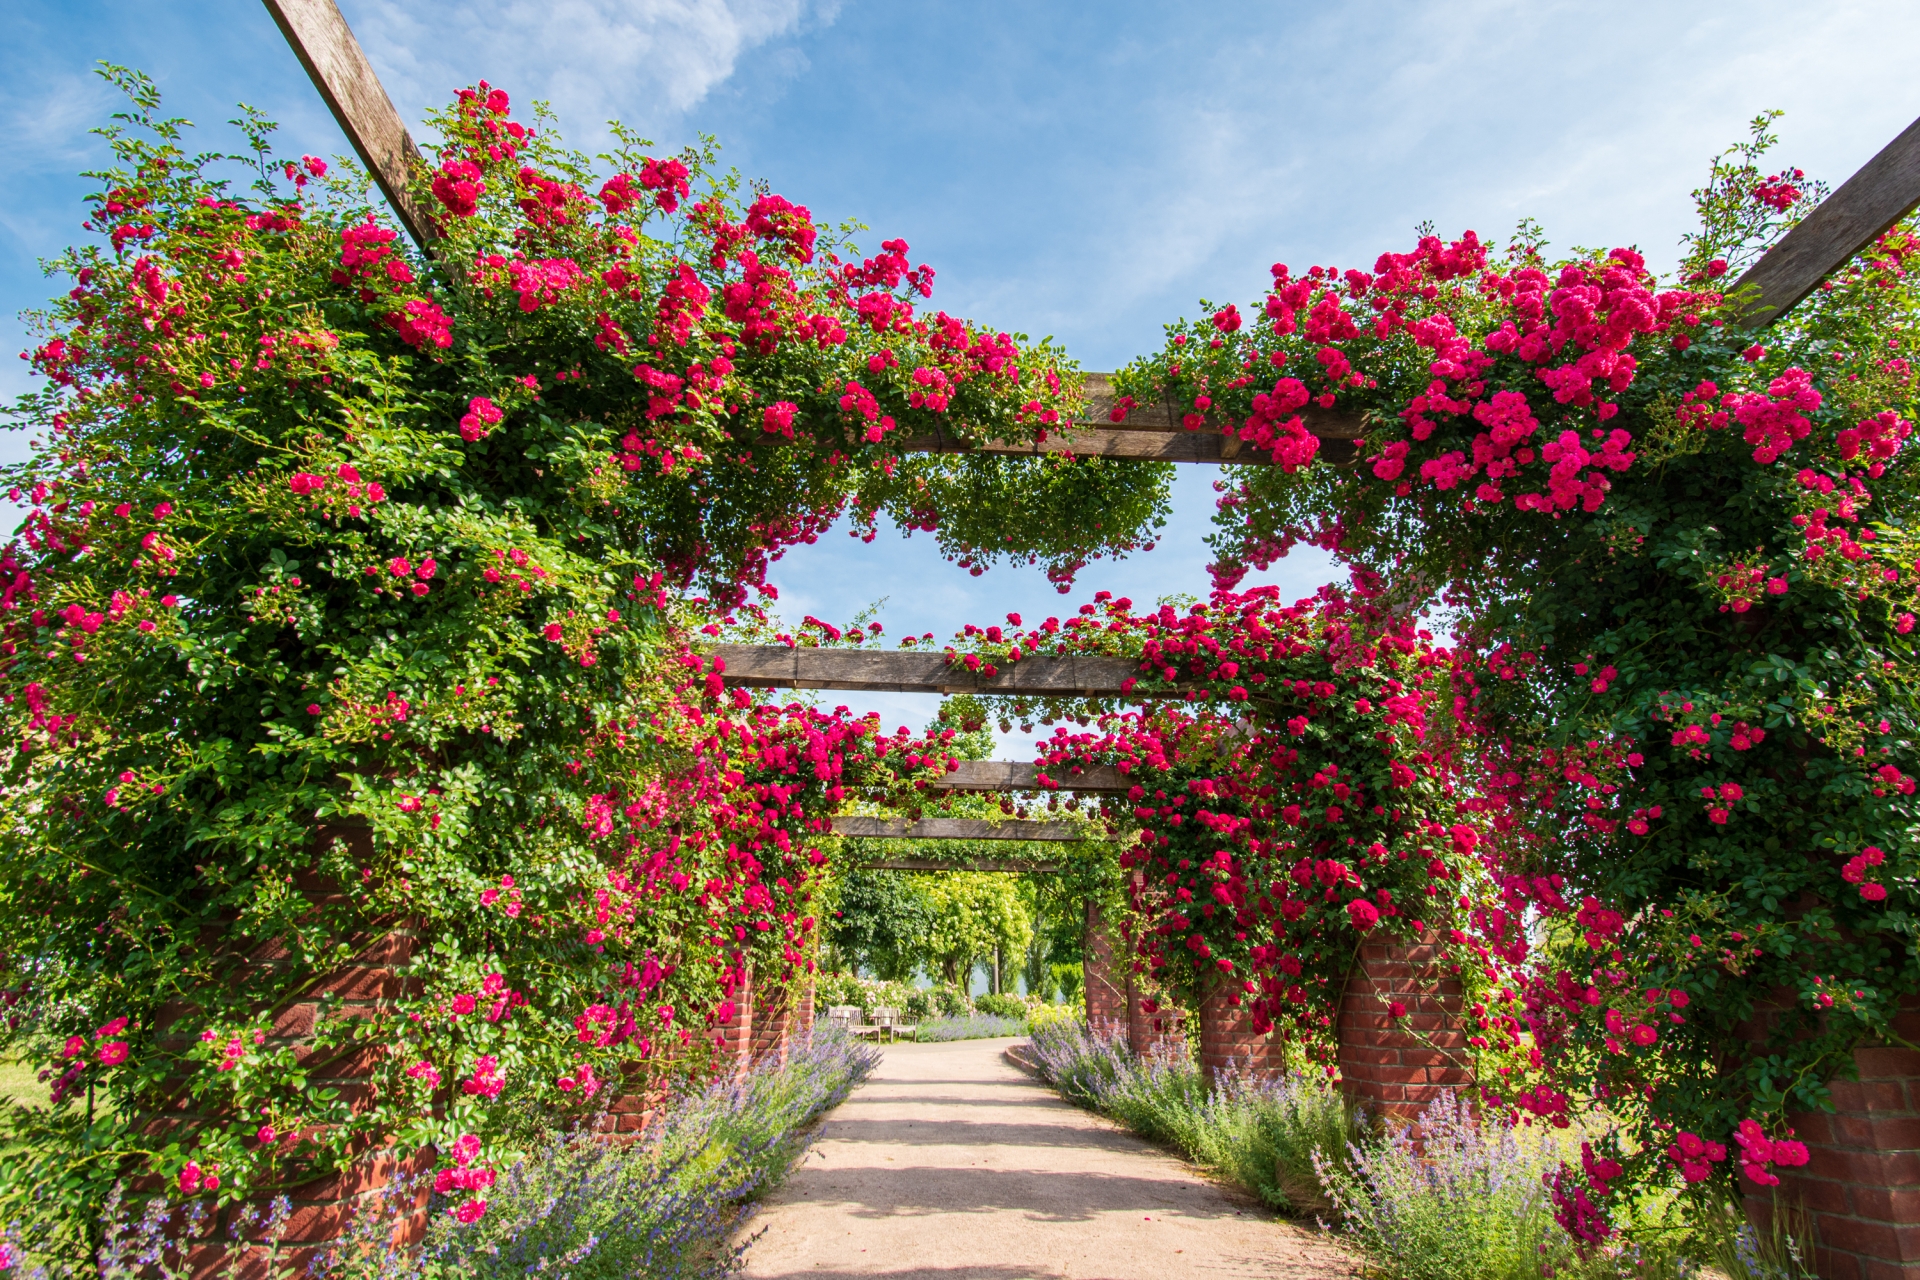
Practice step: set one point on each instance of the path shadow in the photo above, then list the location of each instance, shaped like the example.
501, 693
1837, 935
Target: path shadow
976, 1133
1046, 1196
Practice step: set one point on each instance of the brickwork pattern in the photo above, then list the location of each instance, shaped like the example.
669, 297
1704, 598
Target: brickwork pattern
1107, 982
735, 1054
1398, 1065
1228, 1042
362, 987
1861, 1183
771, 1033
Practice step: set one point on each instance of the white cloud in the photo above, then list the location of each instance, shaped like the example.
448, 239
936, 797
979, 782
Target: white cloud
644, 61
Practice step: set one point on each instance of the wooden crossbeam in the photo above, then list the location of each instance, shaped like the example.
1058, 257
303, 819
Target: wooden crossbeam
928, 864
1011, 775
955, 829
339, 69
776, 666
1152, 432
1883, 191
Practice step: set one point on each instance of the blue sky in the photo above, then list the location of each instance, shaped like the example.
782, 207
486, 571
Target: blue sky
1081, 170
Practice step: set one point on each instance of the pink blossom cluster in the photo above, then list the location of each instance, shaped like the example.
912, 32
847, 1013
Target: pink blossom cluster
464, 1176
1757, 1151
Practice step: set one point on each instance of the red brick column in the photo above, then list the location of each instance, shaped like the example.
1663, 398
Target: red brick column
735, 1053
1861, 1183
770, 1034
802, 1026
1398, 1065
321, 1210
362, 987
1107, 982
1162, 1031
1228, 1042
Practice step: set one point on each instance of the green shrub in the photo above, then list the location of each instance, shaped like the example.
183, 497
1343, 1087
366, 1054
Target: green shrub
1001, 1005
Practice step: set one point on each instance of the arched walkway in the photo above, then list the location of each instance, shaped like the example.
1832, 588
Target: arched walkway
951, 1164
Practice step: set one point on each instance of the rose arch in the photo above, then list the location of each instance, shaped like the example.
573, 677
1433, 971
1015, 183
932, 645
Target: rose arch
396, 715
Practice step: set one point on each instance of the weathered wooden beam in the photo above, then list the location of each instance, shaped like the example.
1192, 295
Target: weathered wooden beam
1883, 191
1011, 775
339, 68
1152, 432
929, 864
867, 828
775, 666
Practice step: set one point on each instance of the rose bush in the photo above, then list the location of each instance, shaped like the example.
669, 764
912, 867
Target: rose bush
354, 595
1299, 798
1677, 556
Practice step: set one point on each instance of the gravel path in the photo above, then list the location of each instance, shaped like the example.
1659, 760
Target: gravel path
951, 1164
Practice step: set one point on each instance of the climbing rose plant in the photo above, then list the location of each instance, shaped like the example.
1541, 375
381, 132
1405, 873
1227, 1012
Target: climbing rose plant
1677, 555
1293, 790
352, 604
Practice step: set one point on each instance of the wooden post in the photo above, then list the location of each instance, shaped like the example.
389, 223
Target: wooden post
339, 69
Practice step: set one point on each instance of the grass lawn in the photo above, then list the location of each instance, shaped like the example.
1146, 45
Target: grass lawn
21, 1083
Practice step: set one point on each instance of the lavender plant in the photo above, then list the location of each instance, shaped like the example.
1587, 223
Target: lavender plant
973, 1026
668, 1205
1456, 1194
1271, 1136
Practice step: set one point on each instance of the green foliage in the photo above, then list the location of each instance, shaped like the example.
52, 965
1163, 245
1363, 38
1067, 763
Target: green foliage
1002, 1005
1280, 1139
1678, 556
880, 922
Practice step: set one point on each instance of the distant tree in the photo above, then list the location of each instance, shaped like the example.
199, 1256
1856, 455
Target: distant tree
882, 923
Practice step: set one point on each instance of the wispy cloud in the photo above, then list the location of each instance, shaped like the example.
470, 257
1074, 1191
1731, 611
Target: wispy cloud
647, 62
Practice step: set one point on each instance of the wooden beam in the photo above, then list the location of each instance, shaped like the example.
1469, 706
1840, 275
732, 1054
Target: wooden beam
1152, 432
1011, 775
865, 828
339, 68
928, 864
1885, 190
776, 666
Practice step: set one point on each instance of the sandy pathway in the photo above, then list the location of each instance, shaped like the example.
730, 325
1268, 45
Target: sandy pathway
950, 1164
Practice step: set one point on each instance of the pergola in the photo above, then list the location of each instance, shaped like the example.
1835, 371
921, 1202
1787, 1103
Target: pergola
1861, 1157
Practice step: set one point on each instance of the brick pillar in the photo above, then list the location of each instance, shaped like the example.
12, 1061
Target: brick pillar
735, 1050
1861, 1182
1161, 1031
1398, 1065
362, 987
642, 1091
802, 1025
770, 1034
1228, 1041
321, 1211
1108, 985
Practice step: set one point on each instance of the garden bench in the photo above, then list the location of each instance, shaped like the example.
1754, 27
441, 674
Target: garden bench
888, 1020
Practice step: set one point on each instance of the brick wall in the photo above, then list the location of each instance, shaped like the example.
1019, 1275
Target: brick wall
1861, 1183
361, 987
1106, 976
772, 1027
803, 1010
1397, 1065
735, 1053
1228, 1041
